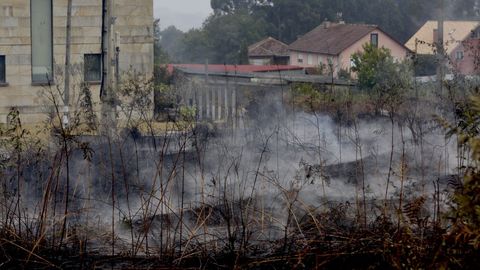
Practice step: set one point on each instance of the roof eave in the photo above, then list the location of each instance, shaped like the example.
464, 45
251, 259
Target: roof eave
267, 55
315, 52
394, 39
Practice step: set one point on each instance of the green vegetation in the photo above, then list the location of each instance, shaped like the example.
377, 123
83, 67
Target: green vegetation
383, 85
387, 81
425, 65
369, 64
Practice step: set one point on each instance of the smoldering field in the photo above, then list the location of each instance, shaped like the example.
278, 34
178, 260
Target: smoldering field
273, 184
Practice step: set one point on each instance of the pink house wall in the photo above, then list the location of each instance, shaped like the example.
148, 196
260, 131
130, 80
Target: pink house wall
316, 59
398, 51
471, 50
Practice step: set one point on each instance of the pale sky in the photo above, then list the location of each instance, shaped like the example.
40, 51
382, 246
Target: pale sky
184, 14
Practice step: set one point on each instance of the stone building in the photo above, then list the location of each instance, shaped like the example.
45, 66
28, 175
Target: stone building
33, 48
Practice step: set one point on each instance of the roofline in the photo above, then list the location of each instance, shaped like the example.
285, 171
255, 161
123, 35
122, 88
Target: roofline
461, 43
353, 43
255, 45
394, 39
477, 21
268, 55
187, 69
304, 51
322, 80
343, 49
423, 25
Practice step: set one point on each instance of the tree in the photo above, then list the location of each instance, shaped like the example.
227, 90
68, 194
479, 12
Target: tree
229, 36
386, 80
194, 47
170, 39
466, 9
287, 19
463, 238
233, 6
387, 83
367, 64
160, 55
223, 39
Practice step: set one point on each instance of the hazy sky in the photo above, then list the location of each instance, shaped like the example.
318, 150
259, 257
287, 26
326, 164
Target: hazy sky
184, 14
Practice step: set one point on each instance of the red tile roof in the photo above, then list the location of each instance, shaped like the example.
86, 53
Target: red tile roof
232, 68
331, 38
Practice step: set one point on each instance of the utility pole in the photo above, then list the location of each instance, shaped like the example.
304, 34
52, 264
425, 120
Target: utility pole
66, 89
108, 53
117, 61
65, 117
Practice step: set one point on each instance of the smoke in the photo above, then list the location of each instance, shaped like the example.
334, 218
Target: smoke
304, 161
208, 185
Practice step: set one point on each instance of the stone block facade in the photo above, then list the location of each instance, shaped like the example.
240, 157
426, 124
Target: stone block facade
133, 21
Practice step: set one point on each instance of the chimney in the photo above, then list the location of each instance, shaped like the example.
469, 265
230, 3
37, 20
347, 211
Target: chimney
327, 24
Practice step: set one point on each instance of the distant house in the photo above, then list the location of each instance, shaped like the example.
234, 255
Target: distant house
333, 44
268, 52
461, 43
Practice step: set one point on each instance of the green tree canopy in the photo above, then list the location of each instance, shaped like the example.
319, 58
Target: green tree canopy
223, 39
233, 6
170, 39
369, 63
387, 80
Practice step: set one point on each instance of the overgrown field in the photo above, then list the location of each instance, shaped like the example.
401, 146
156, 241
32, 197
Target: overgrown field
330, 179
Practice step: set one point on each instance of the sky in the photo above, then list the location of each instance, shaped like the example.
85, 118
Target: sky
184, 14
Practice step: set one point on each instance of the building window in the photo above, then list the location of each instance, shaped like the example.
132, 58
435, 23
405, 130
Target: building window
8, 11
475, 34
459, 55
310, 59
320, 60
42, 40
92, 67
374, 40
300, 58
3, 79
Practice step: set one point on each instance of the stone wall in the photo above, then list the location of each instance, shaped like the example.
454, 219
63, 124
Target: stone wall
134, 23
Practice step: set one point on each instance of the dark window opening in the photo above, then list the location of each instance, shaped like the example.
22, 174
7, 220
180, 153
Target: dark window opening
459, 55
300, 58
92, 67
2, 70
374, 40
476, 34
